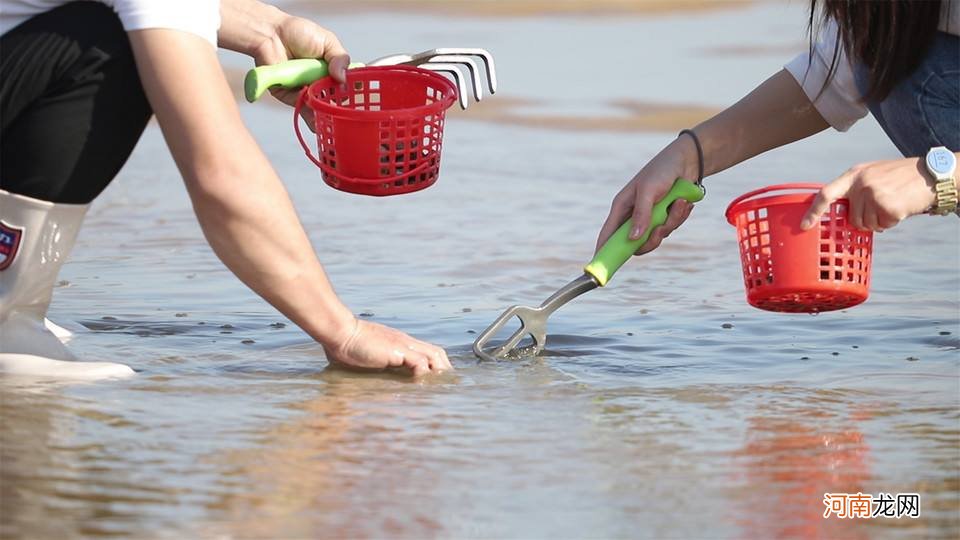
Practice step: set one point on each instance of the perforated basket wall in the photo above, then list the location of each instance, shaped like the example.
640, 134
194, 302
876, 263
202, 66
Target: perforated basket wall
789, 270
381, 133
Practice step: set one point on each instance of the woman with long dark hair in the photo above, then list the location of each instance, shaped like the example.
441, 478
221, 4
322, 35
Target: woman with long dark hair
898, 59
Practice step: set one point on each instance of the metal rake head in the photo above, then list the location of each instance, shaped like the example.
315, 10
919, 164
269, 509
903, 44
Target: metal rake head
533, 321
533, 324
453, 61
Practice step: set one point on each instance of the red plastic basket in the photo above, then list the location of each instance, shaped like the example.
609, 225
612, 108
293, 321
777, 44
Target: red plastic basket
790, 270
381, 132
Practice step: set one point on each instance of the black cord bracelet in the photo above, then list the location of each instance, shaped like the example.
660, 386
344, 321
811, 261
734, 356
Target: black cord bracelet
696, 142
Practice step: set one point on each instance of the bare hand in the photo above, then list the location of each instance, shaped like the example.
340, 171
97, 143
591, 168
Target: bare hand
372, 346
651, 184
296, 37
881, 194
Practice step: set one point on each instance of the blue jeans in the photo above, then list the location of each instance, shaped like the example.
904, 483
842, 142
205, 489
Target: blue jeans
923, 110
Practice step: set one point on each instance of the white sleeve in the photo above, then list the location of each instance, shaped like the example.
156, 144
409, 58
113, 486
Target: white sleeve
840, 101
199, 17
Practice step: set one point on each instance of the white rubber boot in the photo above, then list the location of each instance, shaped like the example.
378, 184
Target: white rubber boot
35, 239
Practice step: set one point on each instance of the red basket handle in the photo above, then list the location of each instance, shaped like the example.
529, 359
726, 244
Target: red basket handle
296, 126
761, 191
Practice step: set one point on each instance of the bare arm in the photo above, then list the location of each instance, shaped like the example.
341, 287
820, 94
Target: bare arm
245, 211
774, 114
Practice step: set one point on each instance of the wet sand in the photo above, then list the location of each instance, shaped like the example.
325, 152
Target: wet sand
625, 116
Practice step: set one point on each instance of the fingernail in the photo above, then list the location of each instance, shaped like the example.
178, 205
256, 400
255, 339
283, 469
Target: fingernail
635, 233
805, 224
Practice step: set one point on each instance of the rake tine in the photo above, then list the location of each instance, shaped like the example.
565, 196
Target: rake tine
539, 340
482, 53
484, 338
510, 343
457, 74
471, 65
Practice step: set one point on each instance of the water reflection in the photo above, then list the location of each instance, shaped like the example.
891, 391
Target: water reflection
54, 484
794, 454
353, 450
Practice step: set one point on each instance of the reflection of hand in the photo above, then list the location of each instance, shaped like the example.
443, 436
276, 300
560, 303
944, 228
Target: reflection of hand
881, 194
374, 346
296, 37
651, 184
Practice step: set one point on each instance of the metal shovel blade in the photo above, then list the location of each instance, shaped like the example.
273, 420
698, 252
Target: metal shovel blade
533, 322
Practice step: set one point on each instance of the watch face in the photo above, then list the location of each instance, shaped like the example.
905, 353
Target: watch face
941, 161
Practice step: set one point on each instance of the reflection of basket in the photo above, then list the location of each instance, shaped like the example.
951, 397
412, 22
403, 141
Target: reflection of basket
381, 132
788, 269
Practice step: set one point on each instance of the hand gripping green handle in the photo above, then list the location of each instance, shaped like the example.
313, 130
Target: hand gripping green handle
289, 74
619, 248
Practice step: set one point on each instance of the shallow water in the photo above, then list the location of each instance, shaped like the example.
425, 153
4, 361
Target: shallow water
664, 406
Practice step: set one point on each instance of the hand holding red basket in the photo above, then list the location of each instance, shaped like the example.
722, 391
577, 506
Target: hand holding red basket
787, 269
380, 132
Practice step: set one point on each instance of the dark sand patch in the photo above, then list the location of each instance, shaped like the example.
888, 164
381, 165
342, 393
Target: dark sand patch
635, 116
787, 50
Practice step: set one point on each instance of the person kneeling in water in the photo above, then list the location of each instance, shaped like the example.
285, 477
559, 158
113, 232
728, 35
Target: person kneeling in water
78, 84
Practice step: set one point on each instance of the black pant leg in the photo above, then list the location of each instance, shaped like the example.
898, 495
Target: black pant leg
72, 107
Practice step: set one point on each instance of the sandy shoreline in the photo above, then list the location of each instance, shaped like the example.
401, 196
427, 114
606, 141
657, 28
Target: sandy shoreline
520, 8
626, 115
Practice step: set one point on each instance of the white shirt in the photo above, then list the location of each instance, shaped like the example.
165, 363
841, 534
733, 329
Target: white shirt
199, 17
840, 103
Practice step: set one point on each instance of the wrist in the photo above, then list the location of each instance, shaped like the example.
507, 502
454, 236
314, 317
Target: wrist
249, 26
686, 158
332, 326
269, 35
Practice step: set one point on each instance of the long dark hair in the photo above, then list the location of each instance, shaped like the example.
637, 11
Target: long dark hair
888, 37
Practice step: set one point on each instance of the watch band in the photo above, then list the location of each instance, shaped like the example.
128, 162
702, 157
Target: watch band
942, 165
946, 197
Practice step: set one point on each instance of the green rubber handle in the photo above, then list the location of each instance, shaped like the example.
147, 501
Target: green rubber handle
619, 248
289, 74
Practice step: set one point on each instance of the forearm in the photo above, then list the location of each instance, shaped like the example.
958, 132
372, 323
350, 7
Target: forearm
776, 113
242, 206
247, 26
251, 224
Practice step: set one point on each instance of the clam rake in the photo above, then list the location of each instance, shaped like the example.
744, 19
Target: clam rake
611, 256
303, 71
